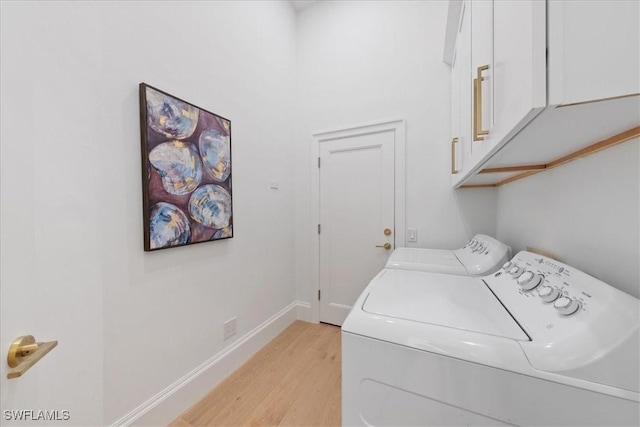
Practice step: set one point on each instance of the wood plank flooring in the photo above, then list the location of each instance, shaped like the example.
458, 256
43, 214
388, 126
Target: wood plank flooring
295, 380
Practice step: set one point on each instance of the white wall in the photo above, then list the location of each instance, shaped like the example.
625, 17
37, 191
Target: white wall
361, 62
586, 213
73, 268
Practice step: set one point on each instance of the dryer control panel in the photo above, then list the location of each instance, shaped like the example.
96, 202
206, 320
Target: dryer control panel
483, 254
578, 325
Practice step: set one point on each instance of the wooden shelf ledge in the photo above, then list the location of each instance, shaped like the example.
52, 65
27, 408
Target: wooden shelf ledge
530, 170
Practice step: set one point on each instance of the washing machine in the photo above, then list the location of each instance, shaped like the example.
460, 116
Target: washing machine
536, 343
479, 256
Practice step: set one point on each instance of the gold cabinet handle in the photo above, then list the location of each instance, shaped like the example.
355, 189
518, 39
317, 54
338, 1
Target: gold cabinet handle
26, 352
480, 80
475, 111
387, 232
387, 246
454, 170
477, 105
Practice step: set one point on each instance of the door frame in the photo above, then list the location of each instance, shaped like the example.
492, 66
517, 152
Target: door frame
398, 129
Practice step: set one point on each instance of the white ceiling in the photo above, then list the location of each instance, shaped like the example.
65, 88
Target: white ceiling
298, 5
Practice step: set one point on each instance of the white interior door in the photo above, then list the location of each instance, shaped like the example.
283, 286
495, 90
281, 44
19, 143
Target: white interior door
356, 207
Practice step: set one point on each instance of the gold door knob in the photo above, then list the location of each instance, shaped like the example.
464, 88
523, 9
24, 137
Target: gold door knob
387, 232
387, 246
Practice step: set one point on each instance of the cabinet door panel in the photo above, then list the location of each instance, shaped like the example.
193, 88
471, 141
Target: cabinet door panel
463, 62
594, 50
455, 117
519, 72
482, 72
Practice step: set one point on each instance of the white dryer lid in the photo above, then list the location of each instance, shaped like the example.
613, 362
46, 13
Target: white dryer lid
419, 259
458, 302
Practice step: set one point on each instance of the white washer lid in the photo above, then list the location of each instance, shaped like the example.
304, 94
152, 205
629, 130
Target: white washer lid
419, 259
459, 302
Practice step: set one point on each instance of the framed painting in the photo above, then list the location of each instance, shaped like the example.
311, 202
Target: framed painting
186, 172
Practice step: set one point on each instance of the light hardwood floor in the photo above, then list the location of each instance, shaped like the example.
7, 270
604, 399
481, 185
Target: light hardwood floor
293, 381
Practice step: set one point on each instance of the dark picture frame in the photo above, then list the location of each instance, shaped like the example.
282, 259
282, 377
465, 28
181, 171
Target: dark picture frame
186, 172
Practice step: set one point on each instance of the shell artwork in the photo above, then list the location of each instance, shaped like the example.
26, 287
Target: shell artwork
186, 172
168, 226
210, 205
179, 166
169, 116
216, 154
223, 233
224, 123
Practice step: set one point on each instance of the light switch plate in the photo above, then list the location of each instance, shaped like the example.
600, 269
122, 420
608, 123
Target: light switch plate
412, 235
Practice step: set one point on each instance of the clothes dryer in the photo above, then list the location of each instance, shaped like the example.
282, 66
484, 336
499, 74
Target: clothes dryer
479, 256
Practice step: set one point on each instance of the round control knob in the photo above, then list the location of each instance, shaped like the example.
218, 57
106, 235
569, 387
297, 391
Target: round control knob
566, 305
548, 294
525, 278
529, 281
516, 271
507, 265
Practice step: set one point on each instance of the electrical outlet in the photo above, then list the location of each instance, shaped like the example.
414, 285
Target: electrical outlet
412, 234
230, 327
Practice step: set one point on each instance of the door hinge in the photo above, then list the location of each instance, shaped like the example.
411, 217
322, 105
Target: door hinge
318, 161
318, 228
318, 294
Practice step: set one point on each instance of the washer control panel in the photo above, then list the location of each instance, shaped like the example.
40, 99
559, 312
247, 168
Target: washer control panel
549, 280
578, 325
483, 254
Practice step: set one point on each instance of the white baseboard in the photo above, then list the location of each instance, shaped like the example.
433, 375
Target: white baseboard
303, 310
167, 405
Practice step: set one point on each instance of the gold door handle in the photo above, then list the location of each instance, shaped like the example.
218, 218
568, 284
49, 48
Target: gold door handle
477, 105
454, 169
387, 246
26, 352
387, 232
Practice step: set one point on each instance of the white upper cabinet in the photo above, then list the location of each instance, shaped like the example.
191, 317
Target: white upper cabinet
461, 99
482, 71
594, 50
456, 156
541, 79
520, 69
